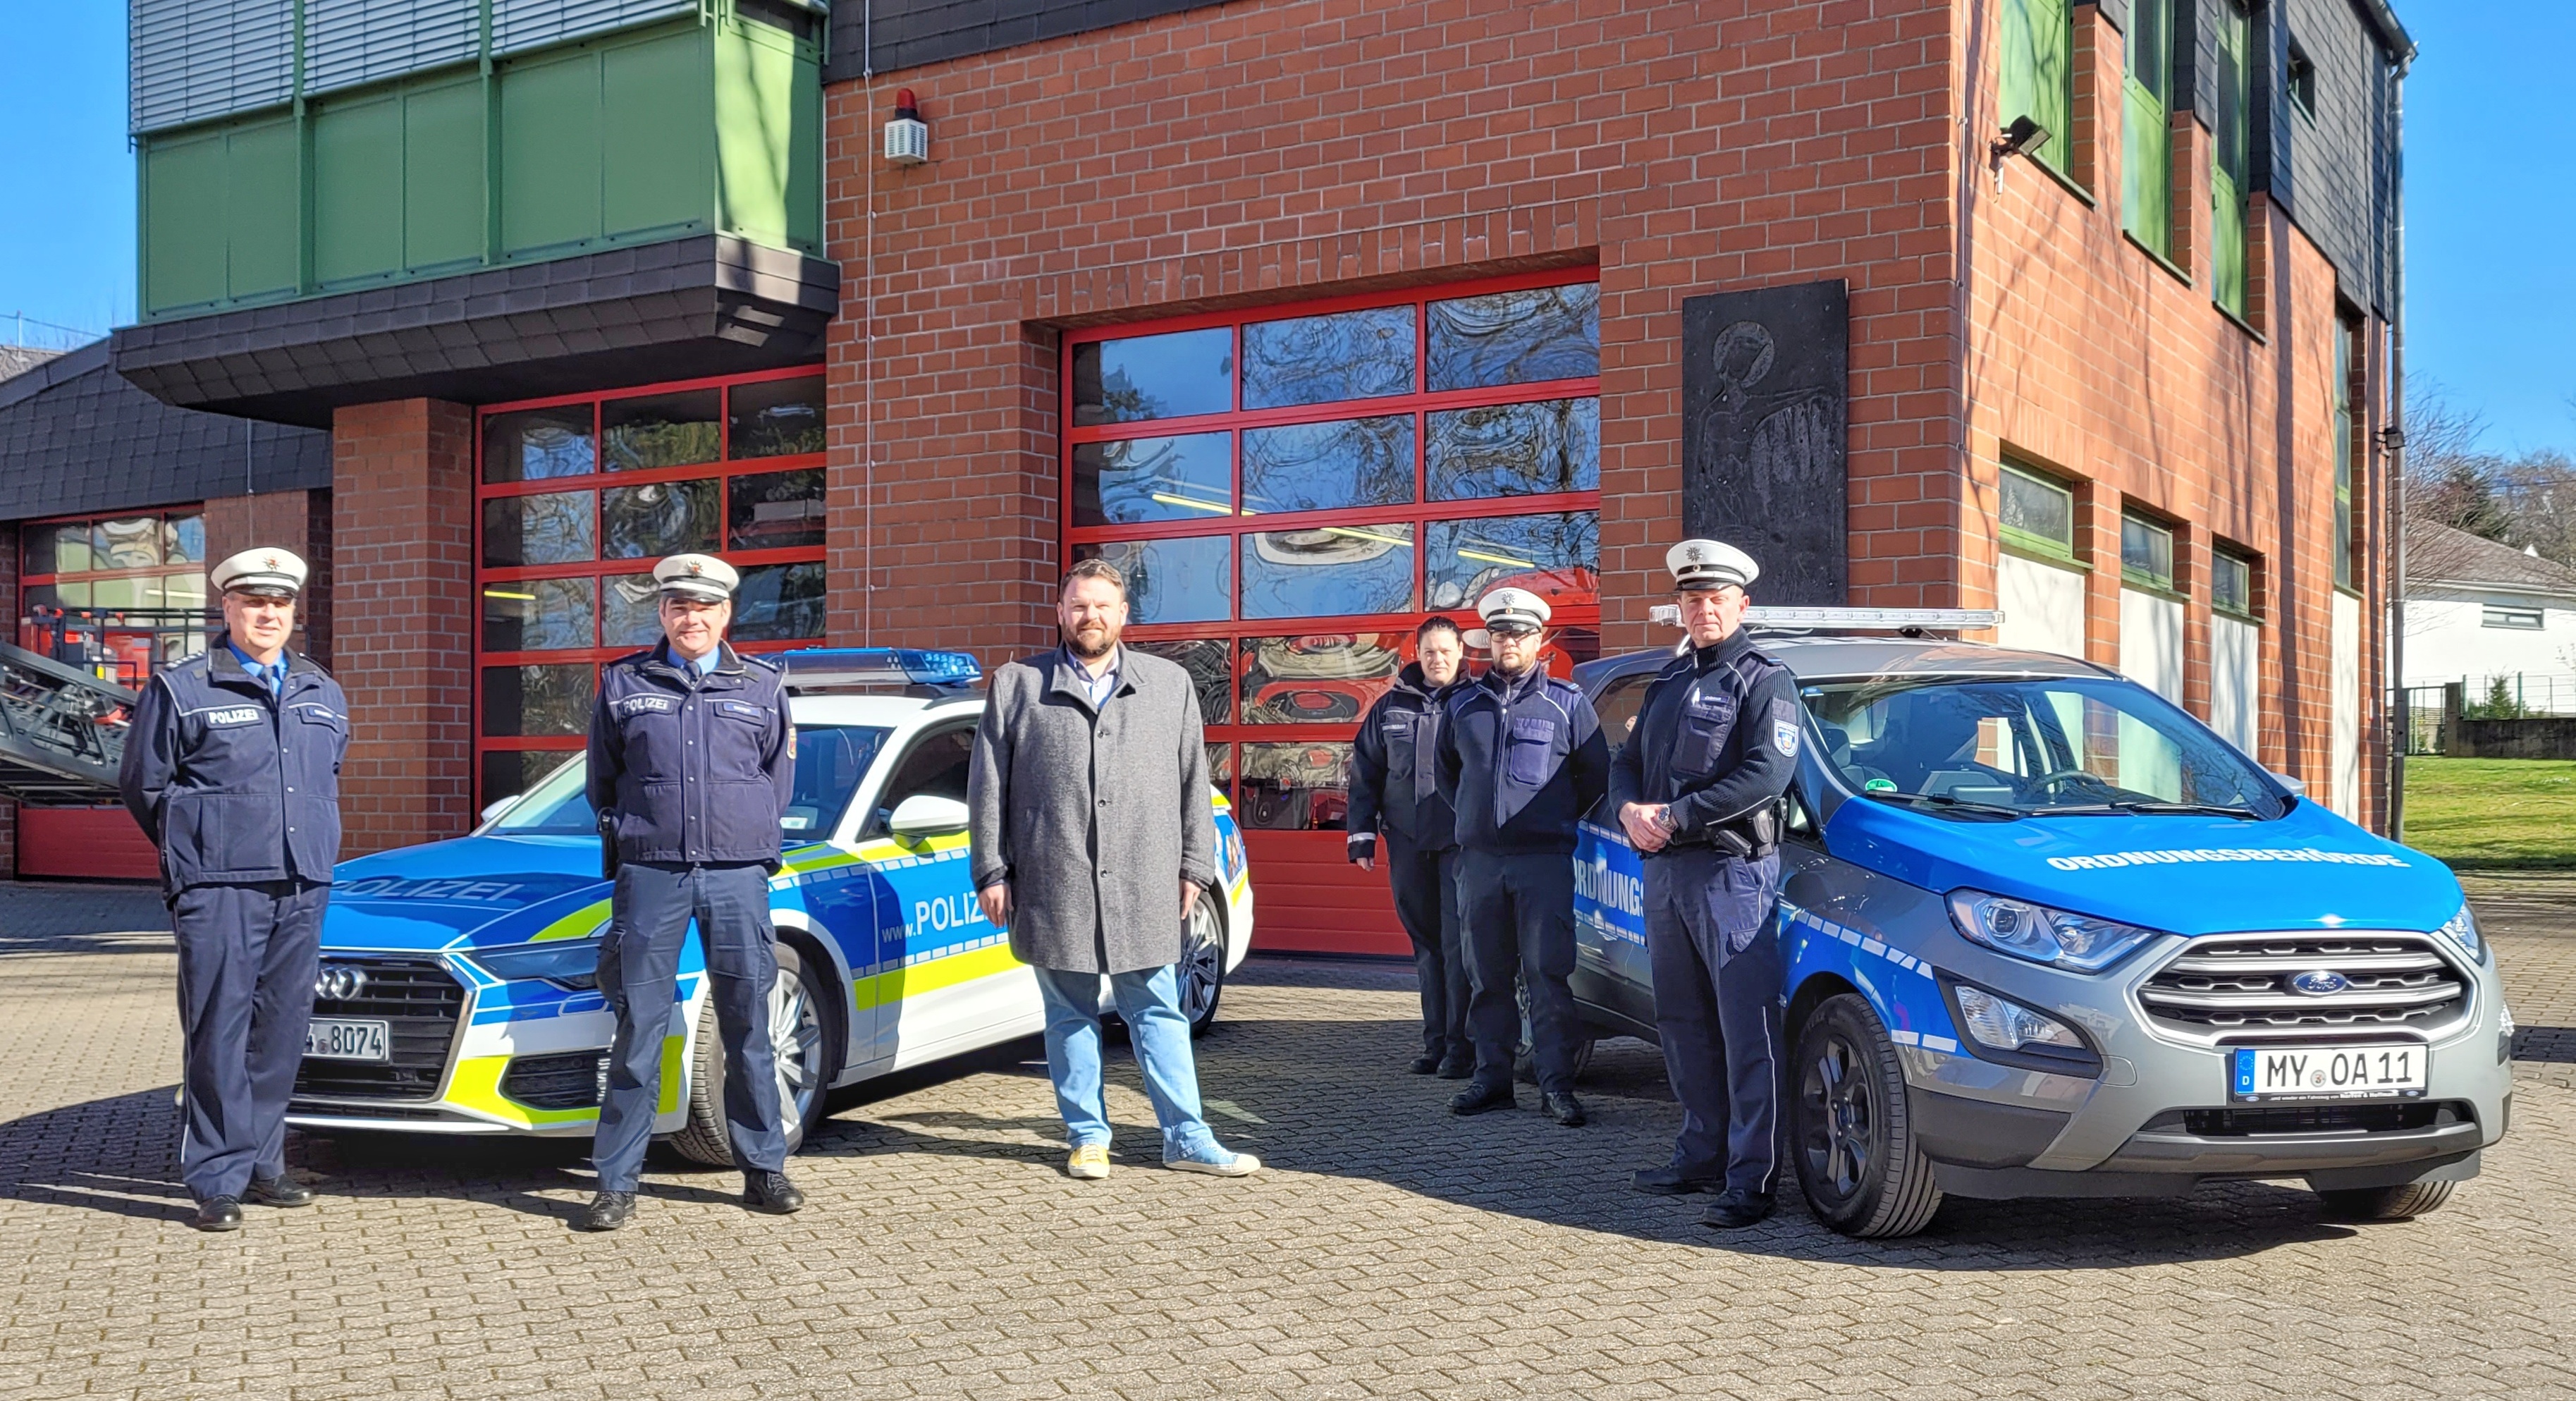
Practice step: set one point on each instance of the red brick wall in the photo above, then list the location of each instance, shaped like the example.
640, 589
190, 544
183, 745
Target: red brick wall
2084, 353
280, 518
401, 538
1265, 152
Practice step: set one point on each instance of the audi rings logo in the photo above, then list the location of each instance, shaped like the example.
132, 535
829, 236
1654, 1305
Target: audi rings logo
2320, 982
338, 984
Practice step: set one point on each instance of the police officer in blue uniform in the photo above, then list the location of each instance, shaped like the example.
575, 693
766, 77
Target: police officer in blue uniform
232, 768
1521, 760
1394, 793
1698, 790
692, 760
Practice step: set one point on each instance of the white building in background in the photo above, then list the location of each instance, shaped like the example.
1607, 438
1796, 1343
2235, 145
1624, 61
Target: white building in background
2477, 610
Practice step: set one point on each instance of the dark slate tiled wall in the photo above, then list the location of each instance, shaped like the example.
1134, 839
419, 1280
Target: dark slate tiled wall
2333, 173
75, 436
910, 33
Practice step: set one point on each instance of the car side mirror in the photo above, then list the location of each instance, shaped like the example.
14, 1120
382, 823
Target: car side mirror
2298, 787
927, 815
493, 810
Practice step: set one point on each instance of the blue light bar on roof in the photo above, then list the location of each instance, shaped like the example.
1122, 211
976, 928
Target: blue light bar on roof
819, 668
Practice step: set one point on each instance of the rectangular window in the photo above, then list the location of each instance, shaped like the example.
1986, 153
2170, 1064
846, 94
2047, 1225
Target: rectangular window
2146, 173
2231, 584
2039, 73
579, 498
123, 595
2146, 552
2523, 619
2299, 76
2345, 334
1287, 490
2230, 158
2036, 513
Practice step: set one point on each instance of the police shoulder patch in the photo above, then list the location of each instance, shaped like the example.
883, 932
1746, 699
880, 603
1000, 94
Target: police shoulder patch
1784, 728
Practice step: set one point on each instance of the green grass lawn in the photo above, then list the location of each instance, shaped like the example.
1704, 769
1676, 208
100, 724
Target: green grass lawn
2493, 814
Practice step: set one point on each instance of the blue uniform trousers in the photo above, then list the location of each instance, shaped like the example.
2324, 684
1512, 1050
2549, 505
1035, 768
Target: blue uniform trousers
1518, 916
1715, 953
247, 958
1425, 884
639, 966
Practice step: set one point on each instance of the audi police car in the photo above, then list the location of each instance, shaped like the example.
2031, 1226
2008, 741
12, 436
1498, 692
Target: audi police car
458, 989
2048, 935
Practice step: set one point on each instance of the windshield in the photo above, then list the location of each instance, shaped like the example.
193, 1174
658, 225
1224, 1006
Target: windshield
830, 761
2003, 748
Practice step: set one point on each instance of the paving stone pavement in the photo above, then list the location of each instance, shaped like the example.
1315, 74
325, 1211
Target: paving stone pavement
1390, 1251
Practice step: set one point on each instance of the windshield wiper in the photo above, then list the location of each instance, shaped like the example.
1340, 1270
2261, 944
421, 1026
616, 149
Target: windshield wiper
1947, 806
2152, 809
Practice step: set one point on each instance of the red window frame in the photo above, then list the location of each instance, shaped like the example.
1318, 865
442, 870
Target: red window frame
130, 673
1420, 513
724, 468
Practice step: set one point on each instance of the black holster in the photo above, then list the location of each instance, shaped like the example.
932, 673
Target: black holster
1754, 835
608, 846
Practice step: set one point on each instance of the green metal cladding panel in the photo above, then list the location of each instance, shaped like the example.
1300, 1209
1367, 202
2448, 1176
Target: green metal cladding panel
2146, 170
635, 137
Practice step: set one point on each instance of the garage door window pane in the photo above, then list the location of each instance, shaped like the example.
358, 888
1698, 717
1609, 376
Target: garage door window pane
536, 700
1556, 555
557, 528
129, 543
183, 540
1190, 477
778, 602
630, 611
664, 518
1328, 466
1515, 450
1148, 377
1516, 337
1331, 571
775, 510
660, 430
1318, 678
1324, 359
1294, 787
538, 615
1210, 663
777, 417
183, 590
537, 443
1172, 581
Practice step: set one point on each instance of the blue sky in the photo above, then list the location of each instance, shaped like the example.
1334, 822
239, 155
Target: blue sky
2491, 214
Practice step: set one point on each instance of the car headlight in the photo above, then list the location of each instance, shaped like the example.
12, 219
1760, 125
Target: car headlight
2462, 929
2007, 1025
571, 963
2043, 935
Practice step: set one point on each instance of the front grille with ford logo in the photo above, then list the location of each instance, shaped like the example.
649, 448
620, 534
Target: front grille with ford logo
418, 1000
2240, 986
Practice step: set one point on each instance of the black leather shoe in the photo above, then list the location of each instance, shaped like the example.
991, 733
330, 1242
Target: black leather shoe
219, 1214
1423, 1065
771, 1192
608, 1211
278, 1191
1564, 1108
1735, 1210
1457, 1067
1480, 1096
1674, 1182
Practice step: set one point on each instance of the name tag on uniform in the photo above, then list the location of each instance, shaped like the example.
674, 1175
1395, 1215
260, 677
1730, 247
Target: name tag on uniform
238, 715
741, 711
1538, 729
1394, 725
317, 712
1708, 703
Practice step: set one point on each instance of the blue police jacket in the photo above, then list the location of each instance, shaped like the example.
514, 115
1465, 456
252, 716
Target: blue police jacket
695, 769
1393, 788
233, 784
1717, 738
1521, 760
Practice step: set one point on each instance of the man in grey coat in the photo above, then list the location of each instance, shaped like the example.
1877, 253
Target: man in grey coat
1093, 840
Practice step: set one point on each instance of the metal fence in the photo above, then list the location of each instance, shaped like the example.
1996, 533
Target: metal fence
2498, 697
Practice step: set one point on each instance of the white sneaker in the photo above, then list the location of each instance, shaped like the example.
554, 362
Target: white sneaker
1089, 1162
1223, 1164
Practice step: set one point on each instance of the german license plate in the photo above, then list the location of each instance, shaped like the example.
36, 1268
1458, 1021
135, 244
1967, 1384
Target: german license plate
326, 1039
2328, 1072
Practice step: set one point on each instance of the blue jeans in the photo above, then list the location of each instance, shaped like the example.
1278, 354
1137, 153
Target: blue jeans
1150, 1002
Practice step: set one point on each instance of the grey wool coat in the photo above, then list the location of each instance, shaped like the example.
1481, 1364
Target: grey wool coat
1095, 819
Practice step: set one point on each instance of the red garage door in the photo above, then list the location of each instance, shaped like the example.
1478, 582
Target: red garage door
1290, 491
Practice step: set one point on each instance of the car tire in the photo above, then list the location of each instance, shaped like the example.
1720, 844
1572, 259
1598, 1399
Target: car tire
804, 1035
1202, 970
1852, 1136
1525, 1054
2385, 1203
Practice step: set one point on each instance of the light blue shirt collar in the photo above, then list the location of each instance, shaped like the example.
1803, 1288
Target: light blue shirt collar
270, 674
1098, 688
